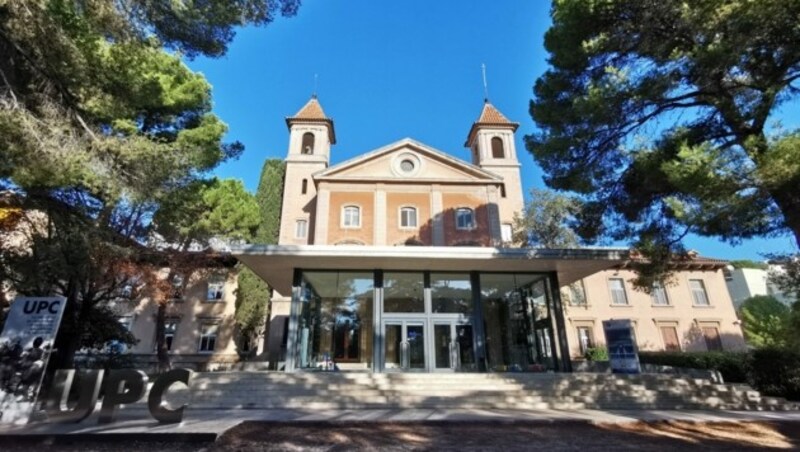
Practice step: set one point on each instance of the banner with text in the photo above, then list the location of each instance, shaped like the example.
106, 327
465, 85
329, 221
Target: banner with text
623, 354
25, 347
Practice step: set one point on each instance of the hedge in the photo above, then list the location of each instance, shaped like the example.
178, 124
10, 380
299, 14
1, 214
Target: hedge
730, 364
773, 371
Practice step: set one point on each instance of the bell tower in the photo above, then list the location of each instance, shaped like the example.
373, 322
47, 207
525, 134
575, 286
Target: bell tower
491, 143
311, 135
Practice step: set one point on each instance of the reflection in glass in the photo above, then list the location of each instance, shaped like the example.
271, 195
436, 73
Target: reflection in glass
403, 292
466, 350
517, 321
335, 325
392, 346
415, 336
442, 343
451, 293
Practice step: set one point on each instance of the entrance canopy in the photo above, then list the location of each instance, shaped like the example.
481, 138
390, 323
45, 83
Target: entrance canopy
275, 263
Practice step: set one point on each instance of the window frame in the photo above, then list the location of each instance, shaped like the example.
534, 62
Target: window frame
611, 291
506, 227
402, 218
702, 289
206, 337
677, 337
344, 217
590, 343
214, 280
297, 224
718, 342
654, 299
468, 227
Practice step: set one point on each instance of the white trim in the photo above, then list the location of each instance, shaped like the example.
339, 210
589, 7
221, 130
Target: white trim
400, 217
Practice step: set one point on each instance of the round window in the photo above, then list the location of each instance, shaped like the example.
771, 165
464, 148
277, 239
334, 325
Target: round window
407, 166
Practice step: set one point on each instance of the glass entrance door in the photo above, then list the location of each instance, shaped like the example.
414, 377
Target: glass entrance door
404, 345
453, 347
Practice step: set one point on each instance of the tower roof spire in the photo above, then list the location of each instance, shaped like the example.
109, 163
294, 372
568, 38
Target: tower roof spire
490, 117
312, 112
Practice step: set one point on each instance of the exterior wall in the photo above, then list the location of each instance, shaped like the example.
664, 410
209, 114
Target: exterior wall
647, 317
191, 313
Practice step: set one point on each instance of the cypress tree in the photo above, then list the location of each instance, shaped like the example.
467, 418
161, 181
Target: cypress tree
253, 294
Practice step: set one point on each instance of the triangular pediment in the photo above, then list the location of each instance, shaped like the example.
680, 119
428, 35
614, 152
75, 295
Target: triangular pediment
407, 160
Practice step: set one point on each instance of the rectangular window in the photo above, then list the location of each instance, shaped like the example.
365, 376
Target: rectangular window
300, 229
465, 219
208, 337
506, 232
577, 294
216, 288
669, 334
408, 217
503, 190
617, 287
304, 188
170, 327
713, 341
403, 292
451, 293
659, 295
169, 333
585, 338
177, 287
699, 296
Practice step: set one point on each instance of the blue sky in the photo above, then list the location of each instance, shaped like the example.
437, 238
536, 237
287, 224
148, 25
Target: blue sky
389, 70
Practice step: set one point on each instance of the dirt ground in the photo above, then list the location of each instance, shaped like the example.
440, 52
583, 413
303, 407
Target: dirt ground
470, 436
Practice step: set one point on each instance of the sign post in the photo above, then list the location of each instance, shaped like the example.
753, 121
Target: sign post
623, 353
25, 347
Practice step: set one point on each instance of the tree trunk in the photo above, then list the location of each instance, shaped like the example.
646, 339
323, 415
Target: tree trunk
164, 363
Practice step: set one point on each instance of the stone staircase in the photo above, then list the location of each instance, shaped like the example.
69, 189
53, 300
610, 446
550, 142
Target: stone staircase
507, 391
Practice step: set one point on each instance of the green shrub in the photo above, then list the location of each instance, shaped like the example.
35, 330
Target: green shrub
730, 364
775, 371
596, 354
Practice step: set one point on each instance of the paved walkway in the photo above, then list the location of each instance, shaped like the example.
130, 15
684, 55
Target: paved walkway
212, 423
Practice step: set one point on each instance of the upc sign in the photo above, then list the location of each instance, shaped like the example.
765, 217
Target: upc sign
121, 387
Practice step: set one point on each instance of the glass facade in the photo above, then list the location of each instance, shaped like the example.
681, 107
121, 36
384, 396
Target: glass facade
403, 321
335, 322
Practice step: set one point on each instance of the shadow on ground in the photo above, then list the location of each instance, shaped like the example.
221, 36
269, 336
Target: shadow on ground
562, 435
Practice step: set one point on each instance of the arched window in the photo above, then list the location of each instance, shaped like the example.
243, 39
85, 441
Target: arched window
304, 187
351, 217
465, 218
408, 217
497, 148
308, 143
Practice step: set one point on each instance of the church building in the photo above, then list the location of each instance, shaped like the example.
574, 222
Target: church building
399, 260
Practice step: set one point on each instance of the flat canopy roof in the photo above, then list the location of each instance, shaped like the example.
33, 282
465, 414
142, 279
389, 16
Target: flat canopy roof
275, 263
